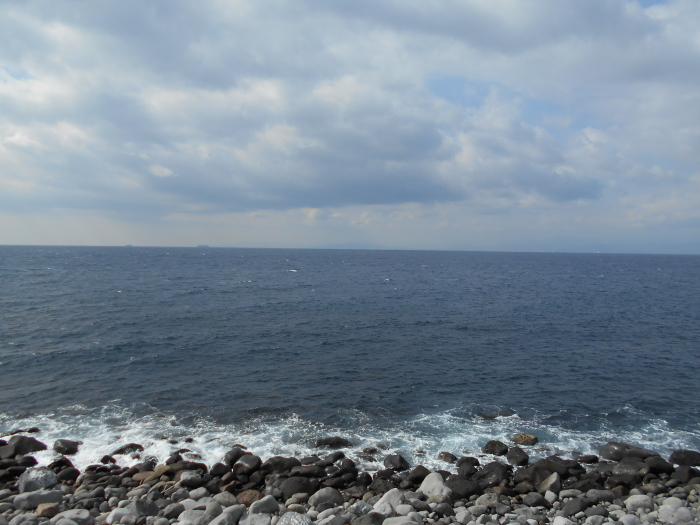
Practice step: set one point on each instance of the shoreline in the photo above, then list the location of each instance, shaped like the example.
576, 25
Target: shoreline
622, 484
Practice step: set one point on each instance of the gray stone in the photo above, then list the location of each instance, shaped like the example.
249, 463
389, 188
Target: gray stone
326, 498
385, 509
190, 479
404, 509
180, 494
633, 503
205, 519
685, 458
225, 499
629, 519
394, 498
683, 515
561, 520
478, 510
574, 506
534, 499
399, 520
173, 510
489, 500
31, 500
213, 508
517, 456
372, 518
142, 507
595, 496
360, 508
433, 485
293, 518
190, 516
66, 447
396, 462
551, 483
256, 519
78, 516
495, 447
673, 502
229, 516
36, 478
266, 505
199, 493
21, 445
463, 516
444, 509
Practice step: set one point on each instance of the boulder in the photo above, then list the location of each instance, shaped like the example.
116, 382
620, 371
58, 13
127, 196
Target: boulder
232, 456
66, 447
128, 449
142, 507
433, 485
684, 458
634, 503
21, 445
266, 505
229, 516
525, 440
495, 447
659, 465
447, 457
248, 497
37, 478
396, 462
394, 498
488, 500
298, 485
597, 496
614, 450
551, 483
333, 442
574, 506
31, 500
534, 499
173, 510
517, 456
326, 498
492, 474
463, 488
280, 464
246, 465
417, 475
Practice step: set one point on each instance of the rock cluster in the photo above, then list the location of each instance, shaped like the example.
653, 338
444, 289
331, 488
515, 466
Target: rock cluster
624, 485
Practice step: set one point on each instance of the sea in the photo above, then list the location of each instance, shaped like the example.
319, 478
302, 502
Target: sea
409, 352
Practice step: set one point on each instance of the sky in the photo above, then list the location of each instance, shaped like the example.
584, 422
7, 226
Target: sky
414, 124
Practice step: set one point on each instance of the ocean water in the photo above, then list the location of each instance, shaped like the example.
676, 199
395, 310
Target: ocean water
407, 351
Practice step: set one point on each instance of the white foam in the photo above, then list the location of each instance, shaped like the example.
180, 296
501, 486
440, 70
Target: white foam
418, 439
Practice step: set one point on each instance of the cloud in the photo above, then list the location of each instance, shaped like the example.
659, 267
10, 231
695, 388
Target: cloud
152, 109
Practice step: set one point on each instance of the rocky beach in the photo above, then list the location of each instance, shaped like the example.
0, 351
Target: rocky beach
622, 484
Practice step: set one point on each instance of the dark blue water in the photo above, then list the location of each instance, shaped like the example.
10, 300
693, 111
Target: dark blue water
382, 345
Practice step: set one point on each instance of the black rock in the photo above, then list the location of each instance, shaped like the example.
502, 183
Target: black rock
232, 456
26, 461
463, 488
659, 465
21, 445
417, 475
615, 451
308, 471
246, 465
574, 506
587, 458
334, 456
396, 462
585, 485
598, 510
219, 469
684, 474
298, 484
467, 459
107, 459
59, 464
446, 456
466, 470
128, 449
524, 487
517, 456
684, 458
624, 480
333, 442
309, 460
380, 485
492, 474
495, 448
364, 479
68, 474
66, 446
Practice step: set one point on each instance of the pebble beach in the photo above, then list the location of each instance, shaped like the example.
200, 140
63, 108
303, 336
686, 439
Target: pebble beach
623, 484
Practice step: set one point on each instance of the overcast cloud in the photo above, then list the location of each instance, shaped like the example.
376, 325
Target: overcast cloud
472, 124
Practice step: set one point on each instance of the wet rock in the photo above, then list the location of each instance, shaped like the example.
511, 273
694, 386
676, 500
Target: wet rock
685, 458
463, 488
659, 465
524, 439
66, 447
396, 462
127, 449
246, 465
232, 456
587, 458
21, 445
417, 475
614, 450
433, 485
447, 457
517, 456
333, 442
308, 471
36, 478
492, 474
495, 448
280, 464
